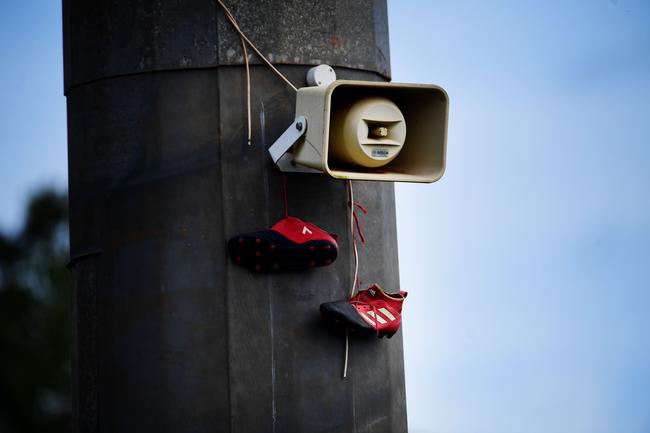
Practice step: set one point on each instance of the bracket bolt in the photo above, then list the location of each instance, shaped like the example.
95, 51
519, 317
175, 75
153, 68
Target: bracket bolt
299, 126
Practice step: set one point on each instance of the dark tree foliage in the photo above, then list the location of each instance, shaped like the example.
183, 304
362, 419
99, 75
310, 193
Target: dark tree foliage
34, 320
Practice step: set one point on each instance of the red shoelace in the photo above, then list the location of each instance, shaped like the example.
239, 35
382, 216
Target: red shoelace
356, 220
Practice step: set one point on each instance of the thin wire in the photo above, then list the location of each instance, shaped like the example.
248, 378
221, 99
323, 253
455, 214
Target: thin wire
347, 350
235, 24
232, 20
354, 240
248, 93
356, 272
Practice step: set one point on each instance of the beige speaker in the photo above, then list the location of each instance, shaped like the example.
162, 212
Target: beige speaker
373, 130
368, 132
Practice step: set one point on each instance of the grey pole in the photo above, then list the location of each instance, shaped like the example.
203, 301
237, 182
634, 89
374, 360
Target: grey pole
169, 335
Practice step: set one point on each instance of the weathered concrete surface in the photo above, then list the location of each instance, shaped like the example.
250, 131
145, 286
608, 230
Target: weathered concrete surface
170, 336
106, 38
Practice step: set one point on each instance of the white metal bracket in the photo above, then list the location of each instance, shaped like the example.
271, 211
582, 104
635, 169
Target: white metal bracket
280, 149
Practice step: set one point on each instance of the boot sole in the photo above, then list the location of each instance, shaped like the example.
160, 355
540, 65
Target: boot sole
270, 252
338, 318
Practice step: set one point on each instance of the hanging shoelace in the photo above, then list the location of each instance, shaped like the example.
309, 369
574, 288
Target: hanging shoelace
354, 223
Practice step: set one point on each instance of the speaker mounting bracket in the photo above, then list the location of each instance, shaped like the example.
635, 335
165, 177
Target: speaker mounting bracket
280, 150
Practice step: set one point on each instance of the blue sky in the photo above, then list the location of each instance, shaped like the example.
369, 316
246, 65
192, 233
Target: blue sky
533, 252
529, 260
32, 108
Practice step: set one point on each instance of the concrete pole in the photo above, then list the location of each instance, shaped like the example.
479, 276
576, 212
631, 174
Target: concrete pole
169, 335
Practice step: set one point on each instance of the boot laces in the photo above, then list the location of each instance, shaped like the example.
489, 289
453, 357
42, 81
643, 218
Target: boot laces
356, 220
356, 301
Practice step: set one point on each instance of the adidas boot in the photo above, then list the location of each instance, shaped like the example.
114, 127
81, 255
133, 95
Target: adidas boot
371, 311
291, 244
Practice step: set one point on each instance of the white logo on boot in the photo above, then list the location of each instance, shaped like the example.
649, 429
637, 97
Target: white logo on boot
305, 230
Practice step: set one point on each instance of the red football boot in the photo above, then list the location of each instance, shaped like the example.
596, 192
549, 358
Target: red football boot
371, 311
291, 244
